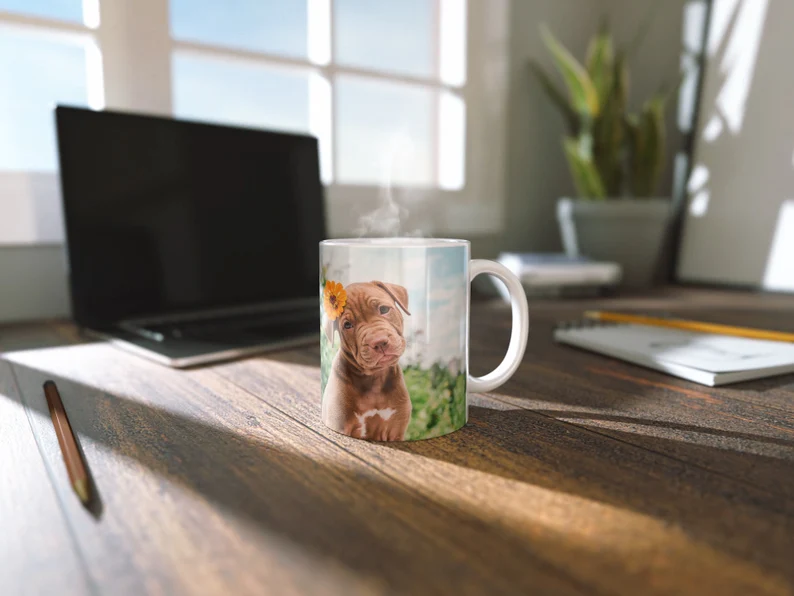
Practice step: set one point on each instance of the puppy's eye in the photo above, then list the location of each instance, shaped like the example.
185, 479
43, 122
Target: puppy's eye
348, 325
384, 309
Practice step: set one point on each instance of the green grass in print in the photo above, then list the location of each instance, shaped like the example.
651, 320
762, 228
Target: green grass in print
439, 401
438, 396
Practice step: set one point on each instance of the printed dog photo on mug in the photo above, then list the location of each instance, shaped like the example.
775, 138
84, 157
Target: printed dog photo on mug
393, 341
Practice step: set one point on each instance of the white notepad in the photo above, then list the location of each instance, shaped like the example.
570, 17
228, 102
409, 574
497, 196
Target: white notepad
701, 357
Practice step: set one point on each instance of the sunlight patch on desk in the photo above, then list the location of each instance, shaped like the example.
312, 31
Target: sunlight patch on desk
710, 438
605, 539
27, 356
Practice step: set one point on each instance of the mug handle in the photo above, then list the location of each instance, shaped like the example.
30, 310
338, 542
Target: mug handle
519, 334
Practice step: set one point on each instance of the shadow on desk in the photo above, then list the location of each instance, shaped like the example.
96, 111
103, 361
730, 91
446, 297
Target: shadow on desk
340, 511
711, 476
282, 478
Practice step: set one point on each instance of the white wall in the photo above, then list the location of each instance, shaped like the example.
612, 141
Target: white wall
32, 268
739, 226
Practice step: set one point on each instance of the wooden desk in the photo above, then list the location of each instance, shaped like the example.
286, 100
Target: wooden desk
581, 475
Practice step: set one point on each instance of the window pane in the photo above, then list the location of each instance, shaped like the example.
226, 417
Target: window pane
65, 10
452, 42
35, 74
451, 141
385, 132
236, 92
386, 35
272, 26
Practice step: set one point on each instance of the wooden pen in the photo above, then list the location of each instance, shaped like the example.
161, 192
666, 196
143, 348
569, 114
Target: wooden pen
75, 466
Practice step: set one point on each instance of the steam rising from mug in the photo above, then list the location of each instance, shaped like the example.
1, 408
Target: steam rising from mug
389, 219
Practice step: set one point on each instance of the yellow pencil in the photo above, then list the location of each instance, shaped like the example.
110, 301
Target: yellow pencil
617, 317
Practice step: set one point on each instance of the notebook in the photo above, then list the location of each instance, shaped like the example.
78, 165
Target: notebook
704, 358
557, 274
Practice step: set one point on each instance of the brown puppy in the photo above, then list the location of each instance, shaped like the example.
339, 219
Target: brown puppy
366, 395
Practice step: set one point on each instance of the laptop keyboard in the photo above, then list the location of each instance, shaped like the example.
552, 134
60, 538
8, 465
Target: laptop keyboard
267, 326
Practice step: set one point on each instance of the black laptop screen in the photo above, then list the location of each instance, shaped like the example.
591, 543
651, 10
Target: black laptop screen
164, 216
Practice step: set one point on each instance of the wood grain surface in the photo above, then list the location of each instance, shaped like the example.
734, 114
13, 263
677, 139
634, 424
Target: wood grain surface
581, 475
37, 552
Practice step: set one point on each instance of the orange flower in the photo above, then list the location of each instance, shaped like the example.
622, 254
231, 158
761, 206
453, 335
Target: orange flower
334, 299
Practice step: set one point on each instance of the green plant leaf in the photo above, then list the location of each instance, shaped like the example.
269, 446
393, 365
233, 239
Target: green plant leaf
620, 81
585, 175
653, 121
557, 97
647, 140
636, 145
582, 92
608, 146
609, 133
600, 62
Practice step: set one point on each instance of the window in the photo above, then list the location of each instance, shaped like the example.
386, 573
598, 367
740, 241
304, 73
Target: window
60, 10
409, 93
394, 91
239, 92
379, 82
43, 61
48, 55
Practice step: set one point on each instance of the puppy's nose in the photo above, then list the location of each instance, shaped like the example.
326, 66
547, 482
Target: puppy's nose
380, 343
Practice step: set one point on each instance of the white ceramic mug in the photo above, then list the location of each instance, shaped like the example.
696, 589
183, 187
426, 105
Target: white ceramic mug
395, 336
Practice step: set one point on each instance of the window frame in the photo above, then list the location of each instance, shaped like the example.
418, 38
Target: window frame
136, 76
30, 199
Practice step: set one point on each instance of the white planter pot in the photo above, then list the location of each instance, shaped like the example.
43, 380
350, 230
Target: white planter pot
630, 232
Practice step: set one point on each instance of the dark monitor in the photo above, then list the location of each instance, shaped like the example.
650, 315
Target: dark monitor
166, 216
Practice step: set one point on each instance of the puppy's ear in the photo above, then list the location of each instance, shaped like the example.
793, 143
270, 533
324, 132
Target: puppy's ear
398, 293
330, 327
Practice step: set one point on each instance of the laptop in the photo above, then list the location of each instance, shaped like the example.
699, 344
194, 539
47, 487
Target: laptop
189, 242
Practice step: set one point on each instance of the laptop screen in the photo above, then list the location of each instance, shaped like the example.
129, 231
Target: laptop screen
165, 216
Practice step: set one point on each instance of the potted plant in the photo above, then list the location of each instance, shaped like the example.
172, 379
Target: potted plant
615, 157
